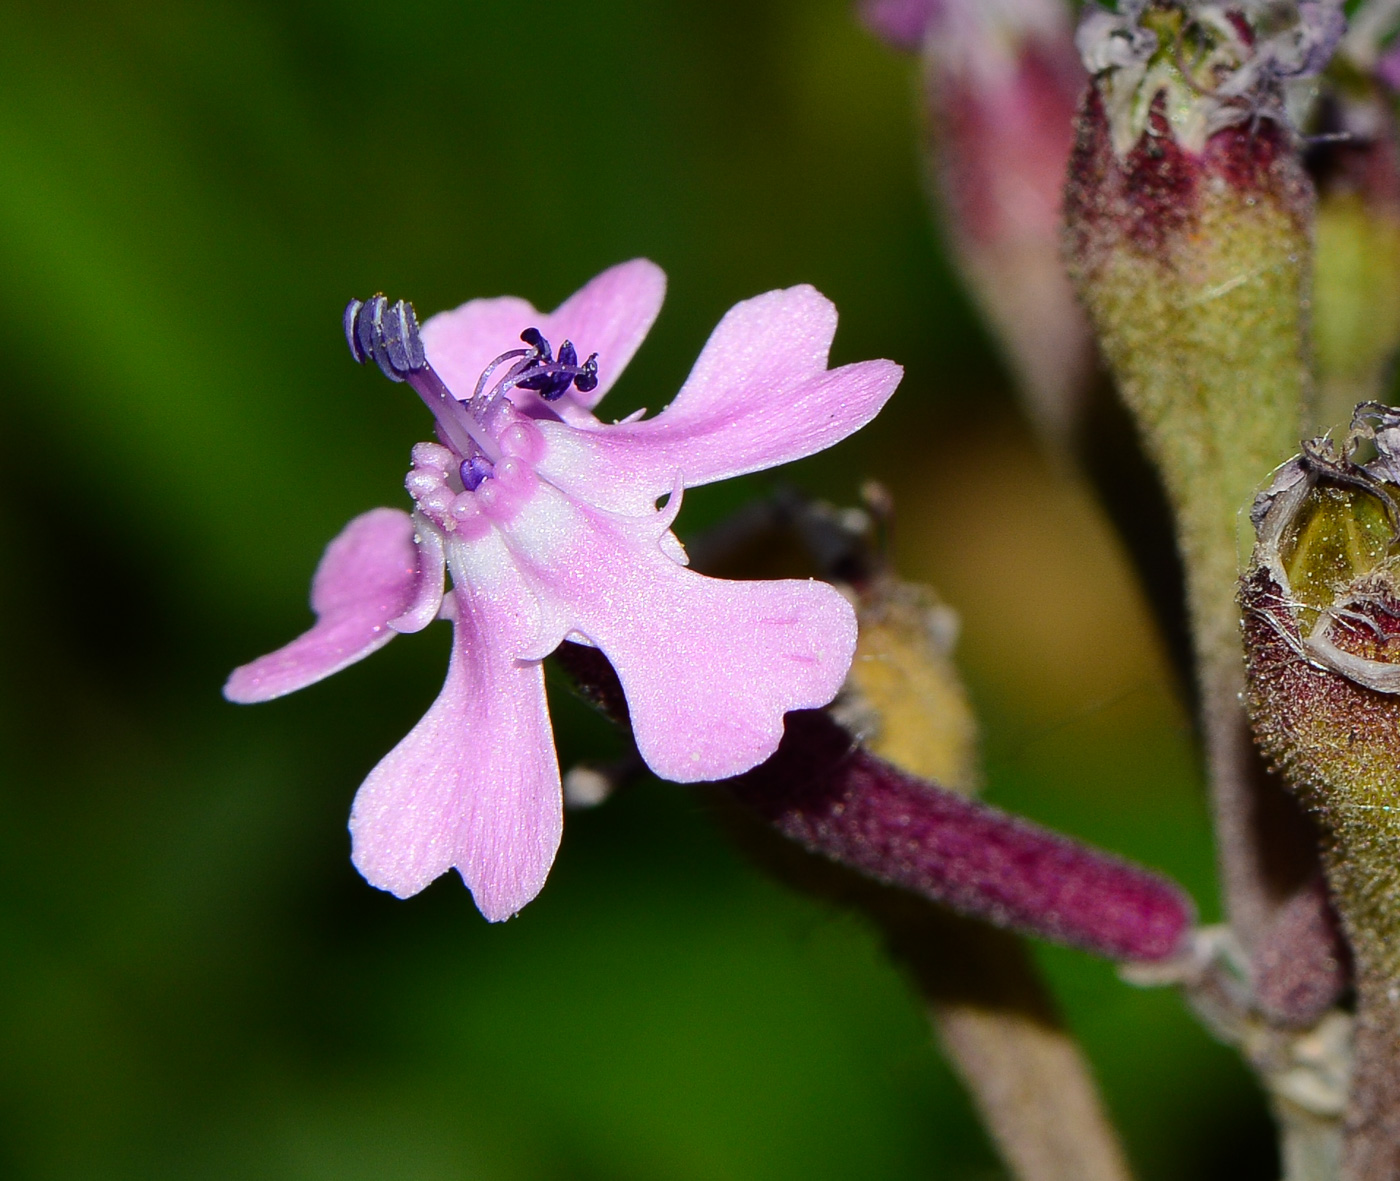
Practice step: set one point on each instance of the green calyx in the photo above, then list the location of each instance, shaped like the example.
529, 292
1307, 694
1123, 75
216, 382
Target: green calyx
1200, 306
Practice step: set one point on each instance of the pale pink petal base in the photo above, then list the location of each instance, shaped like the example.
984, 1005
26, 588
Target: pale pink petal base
475, 785
709, 666
426, 602
760, 395
366, 578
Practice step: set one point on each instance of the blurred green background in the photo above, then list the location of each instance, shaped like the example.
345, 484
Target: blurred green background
194, 982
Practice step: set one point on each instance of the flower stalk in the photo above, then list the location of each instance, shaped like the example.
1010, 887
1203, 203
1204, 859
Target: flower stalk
989, 1008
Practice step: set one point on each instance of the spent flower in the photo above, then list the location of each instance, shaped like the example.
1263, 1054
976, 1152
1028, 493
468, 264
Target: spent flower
1322, 633
547, 520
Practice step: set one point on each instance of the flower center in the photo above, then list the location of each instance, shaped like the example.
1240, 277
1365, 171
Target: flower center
483, 437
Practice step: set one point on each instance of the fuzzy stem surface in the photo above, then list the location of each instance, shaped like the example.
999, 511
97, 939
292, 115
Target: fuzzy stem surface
1194, 269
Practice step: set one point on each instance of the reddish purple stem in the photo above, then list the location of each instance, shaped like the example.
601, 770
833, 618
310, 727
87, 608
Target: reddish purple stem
832, 796
824, 791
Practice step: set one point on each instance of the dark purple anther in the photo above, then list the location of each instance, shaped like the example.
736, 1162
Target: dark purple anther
402, 342
587, 378
553, 378
536, 341
388, 334
366, 324
375, 323
549, 377
473, 471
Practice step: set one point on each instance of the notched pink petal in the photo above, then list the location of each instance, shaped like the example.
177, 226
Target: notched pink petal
365, 579
475, 785
760, 395
769, 342
709, 666
708, 701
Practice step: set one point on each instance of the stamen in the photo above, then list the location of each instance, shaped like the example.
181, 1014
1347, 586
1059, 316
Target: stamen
549, 377
491, 368
535, 339
390, 335
587, 378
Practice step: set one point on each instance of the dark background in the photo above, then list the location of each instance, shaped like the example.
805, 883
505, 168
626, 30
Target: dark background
194, 982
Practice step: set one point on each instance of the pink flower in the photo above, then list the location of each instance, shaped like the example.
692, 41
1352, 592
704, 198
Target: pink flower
547, 519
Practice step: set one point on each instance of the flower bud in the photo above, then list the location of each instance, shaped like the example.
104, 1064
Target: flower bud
1000, 82
903, 698
1188, 237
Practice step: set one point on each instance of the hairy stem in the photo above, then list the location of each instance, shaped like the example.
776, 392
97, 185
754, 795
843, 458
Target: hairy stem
1363, 865
1194, 268
1024, 1070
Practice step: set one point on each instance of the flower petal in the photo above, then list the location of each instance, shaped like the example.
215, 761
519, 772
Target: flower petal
366, 578
610, 316
709, 666
760, 395
475, 784
426, 602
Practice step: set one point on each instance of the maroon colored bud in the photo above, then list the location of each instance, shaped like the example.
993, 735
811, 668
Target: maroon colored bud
902, 23
1301, 966
1001, 81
